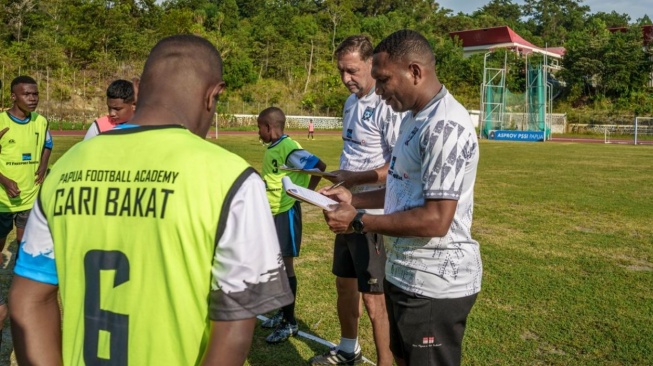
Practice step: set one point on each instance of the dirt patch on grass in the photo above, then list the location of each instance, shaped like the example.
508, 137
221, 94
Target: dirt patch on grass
634, 264
636, 268
529, 336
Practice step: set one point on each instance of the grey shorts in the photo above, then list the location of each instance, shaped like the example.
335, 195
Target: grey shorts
8, 219
360, 256
289, 230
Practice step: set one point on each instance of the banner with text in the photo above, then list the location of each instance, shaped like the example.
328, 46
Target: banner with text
508, 135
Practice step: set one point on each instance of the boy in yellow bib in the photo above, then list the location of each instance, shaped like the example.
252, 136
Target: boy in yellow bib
25, 146
286, 210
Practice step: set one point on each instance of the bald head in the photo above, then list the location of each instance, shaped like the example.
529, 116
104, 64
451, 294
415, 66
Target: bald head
407, 45
179, 64
273, 117
182, 75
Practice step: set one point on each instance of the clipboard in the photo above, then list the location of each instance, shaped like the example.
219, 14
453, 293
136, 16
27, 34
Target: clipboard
313, 171
306, 195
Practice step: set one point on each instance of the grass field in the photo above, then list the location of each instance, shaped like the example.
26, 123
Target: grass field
566, 234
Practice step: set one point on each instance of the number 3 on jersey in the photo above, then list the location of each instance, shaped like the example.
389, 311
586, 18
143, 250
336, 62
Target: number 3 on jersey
96, 319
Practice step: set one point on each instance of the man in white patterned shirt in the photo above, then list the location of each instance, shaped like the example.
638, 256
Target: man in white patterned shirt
434, 269
369, 132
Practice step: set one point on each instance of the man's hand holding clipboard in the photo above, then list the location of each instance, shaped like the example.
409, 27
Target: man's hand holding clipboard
307, 195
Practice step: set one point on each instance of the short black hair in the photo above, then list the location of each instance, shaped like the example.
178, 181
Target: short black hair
359, 43
23, 79
174, 45
404, 43
121, 89
275, 117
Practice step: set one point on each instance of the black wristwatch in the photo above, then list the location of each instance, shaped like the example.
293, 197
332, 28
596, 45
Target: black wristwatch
357, 224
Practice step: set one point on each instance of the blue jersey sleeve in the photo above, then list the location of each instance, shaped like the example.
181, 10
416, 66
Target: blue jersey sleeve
302, 159
40, 268
36, 251
48, 144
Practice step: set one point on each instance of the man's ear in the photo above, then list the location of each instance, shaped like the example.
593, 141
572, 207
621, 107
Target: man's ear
415, 71
213, 94
136, 81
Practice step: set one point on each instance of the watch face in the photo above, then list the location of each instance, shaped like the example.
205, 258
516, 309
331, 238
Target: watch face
357, 224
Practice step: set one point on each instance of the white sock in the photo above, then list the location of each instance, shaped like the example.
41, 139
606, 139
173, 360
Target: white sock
349, 345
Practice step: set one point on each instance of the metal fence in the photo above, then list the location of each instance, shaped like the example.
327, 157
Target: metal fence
74, 99
292, 121
519, 121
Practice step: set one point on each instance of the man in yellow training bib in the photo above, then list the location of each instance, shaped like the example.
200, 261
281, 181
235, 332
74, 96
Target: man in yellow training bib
150, 271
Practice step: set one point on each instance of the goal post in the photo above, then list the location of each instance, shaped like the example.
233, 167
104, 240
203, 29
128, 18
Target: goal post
638, 132
643, 130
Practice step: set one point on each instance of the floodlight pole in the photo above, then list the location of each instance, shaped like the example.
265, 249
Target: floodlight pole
526, 108
483, 86
545, 82
217, 122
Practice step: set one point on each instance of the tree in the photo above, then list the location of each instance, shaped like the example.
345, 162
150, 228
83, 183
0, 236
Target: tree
603, 63
337, 10
553, 19
239, 70
612, 19
645, 20
582, 63
505, 11
627, 65
16, 13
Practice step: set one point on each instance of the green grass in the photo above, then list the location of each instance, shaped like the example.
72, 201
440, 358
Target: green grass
566, 237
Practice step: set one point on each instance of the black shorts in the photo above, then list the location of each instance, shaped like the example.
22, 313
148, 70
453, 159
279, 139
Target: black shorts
7, 220
425, 331
289, 230
360, 256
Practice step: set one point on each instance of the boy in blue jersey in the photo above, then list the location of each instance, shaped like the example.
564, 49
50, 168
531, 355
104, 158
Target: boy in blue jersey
284, 151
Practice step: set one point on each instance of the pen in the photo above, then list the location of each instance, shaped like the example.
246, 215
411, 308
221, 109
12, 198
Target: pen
337, 185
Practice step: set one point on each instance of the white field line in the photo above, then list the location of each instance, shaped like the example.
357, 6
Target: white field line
315, 339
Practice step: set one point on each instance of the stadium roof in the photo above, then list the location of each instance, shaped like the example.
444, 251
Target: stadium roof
488, 39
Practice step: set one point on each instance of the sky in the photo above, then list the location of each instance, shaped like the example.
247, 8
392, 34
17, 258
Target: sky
635, 8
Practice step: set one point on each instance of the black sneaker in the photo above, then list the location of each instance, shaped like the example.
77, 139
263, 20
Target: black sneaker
337, 357
273, 321
284, 331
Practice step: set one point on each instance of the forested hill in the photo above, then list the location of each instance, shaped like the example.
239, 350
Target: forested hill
281, 52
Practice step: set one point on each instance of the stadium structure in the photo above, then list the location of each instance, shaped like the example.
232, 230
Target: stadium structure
508, 115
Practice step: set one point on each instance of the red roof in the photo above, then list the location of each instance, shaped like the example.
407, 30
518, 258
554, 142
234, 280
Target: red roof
498, 36
490, 36
647, 32
557, 50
